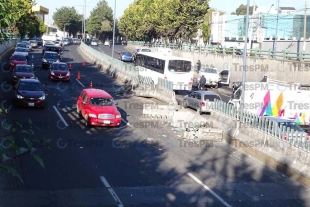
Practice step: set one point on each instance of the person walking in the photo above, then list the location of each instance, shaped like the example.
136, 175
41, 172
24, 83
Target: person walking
202, 83
198, 66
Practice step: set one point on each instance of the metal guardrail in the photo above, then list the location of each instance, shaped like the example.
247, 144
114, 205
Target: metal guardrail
270, 54
282, 133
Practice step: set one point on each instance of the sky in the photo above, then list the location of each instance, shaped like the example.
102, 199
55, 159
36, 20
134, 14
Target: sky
52, 5
227, 6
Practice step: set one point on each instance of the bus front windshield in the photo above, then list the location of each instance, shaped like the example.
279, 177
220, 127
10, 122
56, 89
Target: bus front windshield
179, 66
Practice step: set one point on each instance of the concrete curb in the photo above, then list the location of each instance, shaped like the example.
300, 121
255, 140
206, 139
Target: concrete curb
6, 51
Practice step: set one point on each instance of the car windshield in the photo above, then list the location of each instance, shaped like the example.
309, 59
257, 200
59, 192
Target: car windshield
292, 125
24, 69
19, 58
51, 55
179, 66
127, 53
102, 101
21, 50
62, 67
209, 70
30, 86
211, 97
53, 49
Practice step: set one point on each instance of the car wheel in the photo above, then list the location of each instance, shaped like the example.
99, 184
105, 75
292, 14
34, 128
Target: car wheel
87, 122
185, 104
216, 85
199, 111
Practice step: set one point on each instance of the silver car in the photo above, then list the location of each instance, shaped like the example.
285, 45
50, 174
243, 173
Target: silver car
202, 101
28, 45
34, 43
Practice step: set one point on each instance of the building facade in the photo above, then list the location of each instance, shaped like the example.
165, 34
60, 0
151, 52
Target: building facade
40, 11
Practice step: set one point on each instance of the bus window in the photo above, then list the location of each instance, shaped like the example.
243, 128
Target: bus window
179, 66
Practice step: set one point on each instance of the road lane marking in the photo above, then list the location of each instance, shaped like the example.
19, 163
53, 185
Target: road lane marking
60, 116
208, 189
107, 185
80, 83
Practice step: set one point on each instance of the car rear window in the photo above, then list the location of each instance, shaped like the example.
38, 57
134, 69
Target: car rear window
101, 101
19, 58
211, 97
51, 55
23, 68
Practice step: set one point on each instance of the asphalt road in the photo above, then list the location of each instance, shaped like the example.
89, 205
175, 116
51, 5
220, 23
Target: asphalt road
140, 163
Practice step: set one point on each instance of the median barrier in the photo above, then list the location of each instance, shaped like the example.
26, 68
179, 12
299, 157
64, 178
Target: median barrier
128, 73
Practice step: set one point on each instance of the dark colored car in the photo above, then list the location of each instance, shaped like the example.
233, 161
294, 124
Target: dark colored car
125, 56
39, 41
49, 58
23, 71
30, 93
17, 60
52, 48
60, 72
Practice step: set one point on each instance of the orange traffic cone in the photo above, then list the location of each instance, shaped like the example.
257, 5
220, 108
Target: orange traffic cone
83, 63
78, 75
91, 84
70, 66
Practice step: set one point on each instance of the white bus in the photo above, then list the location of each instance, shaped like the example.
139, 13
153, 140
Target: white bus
49, 38
172, 68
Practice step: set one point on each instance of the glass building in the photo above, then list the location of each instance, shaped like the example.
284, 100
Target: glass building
298, 26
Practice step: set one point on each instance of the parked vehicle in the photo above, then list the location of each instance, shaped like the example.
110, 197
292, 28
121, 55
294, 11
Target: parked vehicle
202, 101
212, 77
98, 108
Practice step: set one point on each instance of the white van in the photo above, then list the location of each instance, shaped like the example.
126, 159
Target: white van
49, 38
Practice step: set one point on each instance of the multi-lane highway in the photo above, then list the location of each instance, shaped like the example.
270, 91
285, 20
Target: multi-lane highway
140, 163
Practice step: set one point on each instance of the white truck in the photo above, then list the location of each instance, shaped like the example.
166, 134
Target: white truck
274, 98
49, 38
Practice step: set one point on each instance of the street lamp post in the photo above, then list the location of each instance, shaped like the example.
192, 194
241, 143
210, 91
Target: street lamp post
244, 63
114, 28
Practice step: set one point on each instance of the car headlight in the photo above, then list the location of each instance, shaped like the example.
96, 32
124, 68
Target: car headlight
44, 60
118, 116
15, 76
52, 73
19, 96
33, 77
57, 60
42, 97
92, 115
68, 74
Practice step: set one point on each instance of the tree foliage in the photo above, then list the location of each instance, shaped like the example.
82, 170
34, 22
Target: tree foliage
68, 18
12, 17
19, 140
171, 19
100, 22
241, 10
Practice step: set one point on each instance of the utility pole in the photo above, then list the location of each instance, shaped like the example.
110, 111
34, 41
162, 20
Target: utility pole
252, 26
276, 37
305, 27
84, 21
113, 41
244, 64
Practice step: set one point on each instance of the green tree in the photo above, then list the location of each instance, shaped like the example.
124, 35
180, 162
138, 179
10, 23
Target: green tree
100, 22
68, 18
241, 10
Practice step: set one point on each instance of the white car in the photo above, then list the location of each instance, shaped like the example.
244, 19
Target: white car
94, 43
28, 45
106, 43
212, 76
34, 43
22, 51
